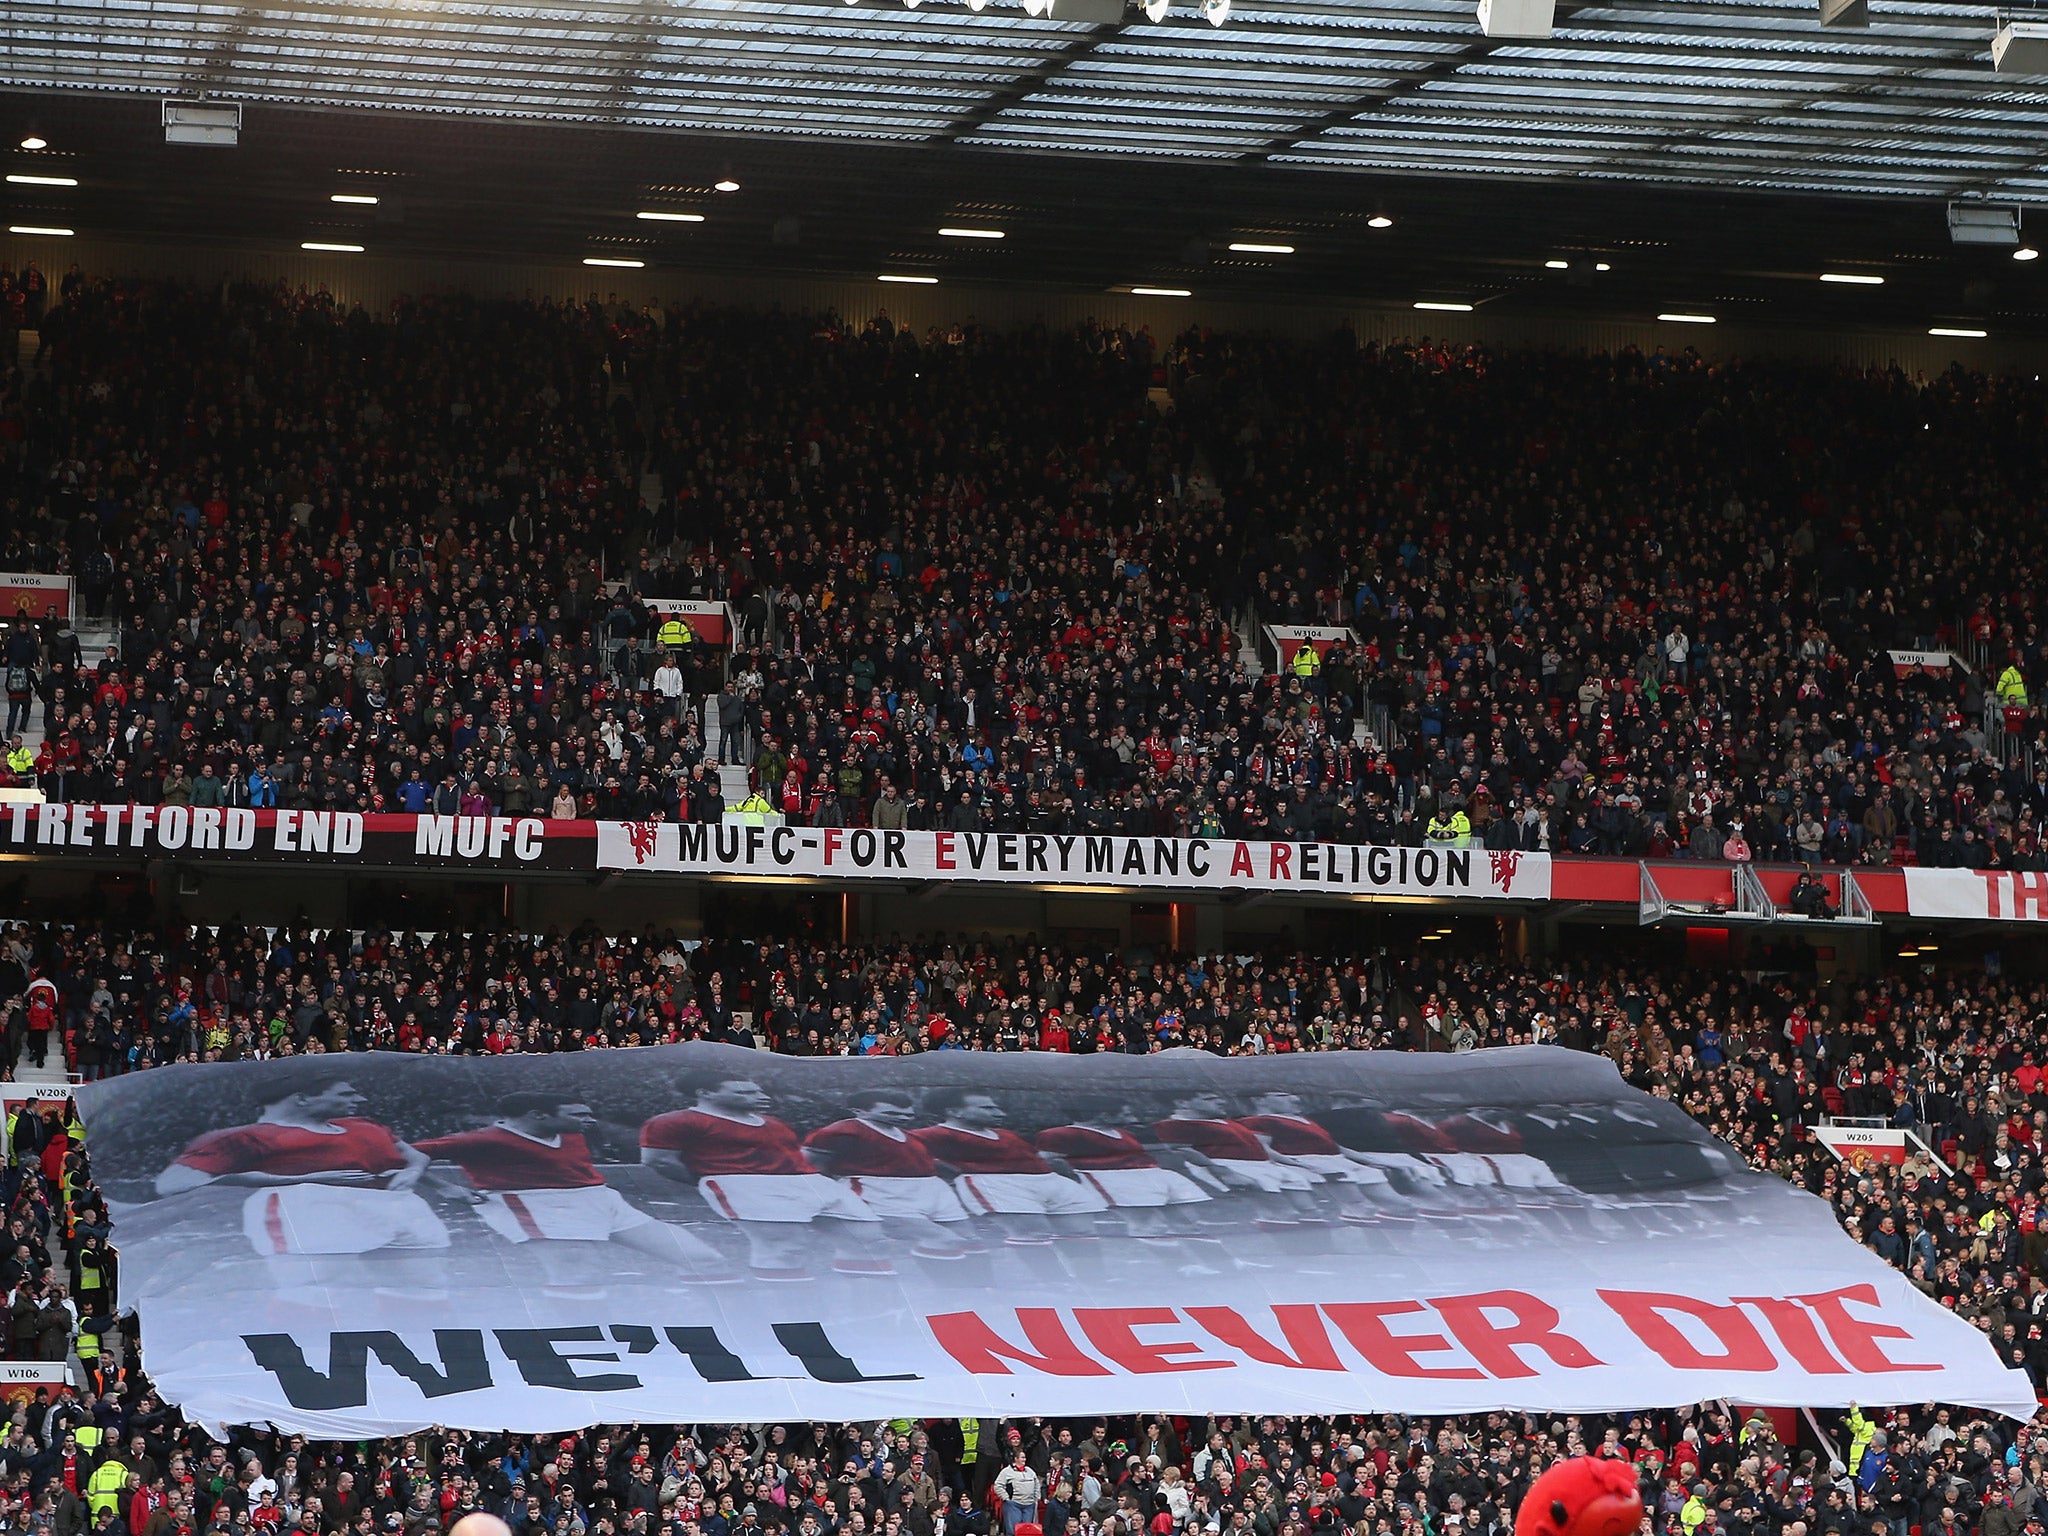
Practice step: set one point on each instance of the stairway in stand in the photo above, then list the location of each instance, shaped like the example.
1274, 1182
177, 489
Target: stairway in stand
732, 777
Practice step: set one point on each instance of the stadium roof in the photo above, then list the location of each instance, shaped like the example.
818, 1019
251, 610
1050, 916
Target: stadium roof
1155, 144
1739, 93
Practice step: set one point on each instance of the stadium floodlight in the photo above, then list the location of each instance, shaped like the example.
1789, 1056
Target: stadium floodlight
215, 123
1517, 18
1984, 223
2020, 48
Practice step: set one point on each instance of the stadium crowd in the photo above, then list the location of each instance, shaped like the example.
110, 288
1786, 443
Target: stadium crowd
1626, 603
1620, 604
1753, 1060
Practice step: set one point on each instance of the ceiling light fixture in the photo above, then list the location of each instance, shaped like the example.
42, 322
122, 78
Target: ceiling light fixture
1558, 266
336, 246
2026, 253
657, 216
957, 232
613, 261
1255, 248
1860, 279
1215, 12
1601, 266
1678, 319
357, 199
1163, 293
906, 277
725, 184
37, 229
1379, 221
1458, 309
1966, 332
1155, 10
43, 181
1037, 7
35, 141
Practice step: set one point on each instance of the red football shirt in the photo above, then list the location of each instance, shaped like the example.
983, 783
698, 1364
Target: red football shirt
971, 1152
1419, 1135
498, 1158
1095, 1150
1224, 1139
863, 1151
1470, 1135
1291, 1136
712, 1145
353, 1146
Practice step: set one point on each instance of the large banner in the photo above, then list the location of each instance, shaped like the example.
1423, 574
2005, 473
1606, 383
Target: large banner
326, 839
365, 1245
341, 839
1980, 895
1039, 858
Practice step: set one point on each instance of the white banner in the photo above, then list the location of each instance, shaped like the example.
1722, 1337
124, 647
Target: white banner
1875, 1143
1039, 858
1982, 895
34, 595
367, 1245
1286, 639
710, 622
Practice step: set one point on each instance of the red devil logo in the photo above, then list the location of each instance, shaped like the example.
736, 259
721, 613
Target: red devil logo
1505, 863
642, 834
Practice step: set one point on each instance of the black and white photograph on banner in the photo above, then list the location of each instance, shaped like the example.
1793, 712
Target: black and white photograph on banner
704, 1229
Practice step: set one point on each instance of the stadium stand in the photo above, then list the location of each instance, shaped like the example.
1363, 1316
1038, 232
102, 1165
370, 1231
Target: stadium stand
991, 581
1625, 604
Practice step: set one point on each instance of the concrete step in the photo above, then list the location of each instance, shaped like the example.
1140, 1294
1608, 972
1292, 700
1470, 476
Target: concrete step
732, 783
50, 1073
94, 636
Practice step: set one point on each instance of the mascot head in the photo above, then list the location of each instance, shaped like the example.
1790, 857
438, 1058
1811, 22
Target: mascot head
1586, 1496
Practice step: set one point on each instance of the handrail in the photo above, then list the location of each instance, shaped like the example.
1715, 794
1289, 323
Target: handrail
1855, 904
1654, 905
1750, 897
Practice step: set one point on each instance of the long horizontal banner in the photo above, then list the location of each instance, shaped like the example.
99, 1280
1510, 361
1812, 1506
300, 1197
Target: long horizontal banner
367, 1245
1980, 895
334, 839
339, 839
1037, 858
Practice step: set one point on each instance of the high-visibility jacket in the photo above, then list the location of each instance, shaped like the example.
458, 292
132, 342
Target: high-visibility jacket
1444, 829
970, 1442
1861, 1430
2012, 686
674, 632
103, 1488
754, 811
1308, 661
